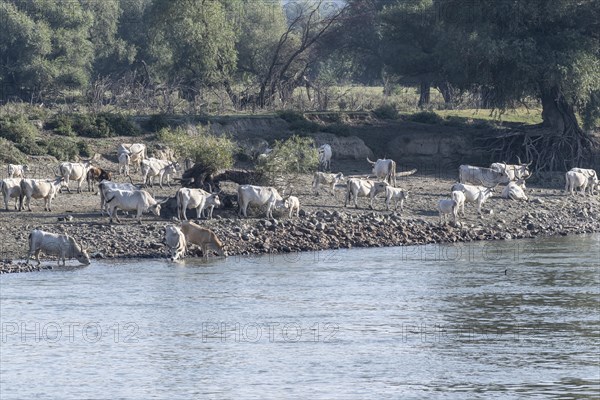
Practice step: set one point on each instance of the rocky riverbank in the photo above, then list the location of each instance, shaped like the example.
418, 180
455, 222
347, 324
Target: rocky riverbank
326, 229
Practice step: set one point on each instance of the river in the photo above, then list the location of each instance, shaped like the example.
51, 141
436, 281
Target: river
509, 319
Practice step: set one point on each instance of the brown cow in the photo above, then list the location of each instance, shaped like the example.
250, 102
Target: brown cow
96, 174
205, 238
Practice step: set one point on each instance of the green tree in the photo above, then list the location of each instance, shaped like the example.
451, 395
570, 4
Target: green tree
547, 49
191, 42
112, 53
411, 39
44, 47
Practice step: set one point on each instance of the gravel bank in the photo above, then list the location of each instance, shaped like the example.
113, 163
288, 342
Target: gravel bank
323, 224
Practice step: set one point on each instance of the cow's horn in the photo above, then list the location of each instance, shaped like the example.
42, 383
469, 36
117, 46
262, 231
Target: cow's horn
530, 162
519, 160
371, 162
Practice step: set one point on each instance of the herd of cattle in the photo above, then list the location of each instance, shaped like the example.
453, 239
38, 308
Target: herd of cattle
476, 185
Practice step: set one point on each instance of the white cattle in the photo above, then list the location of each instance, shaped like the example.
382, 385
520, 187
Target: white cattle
134, 200
105, 186
195, 198
124, 161
473, 194
356, 187
137, 153
447, 207
205, 238
152, 167
175, 240
384, 169
578, 180
592, 177
481, 176
326, 179
39, 189
62, 246
17, 170
11, 189
515, 191
324, 154
259, 195
459, 197
292, 203
75, 171
513, 171
396, 194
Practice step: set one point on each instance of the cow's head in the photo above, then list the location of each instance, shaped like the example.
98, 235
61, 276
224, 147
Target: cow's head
155, 209
104, 176
522, 171
214, 200
83, 257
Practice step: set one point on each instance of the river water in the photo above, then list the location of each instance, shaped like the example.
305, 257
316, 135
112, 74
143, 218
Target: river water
513, 319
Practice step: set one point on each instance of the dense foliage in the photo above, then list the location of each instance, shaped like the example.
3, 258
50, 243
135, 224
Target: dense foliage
197, 144
154, 55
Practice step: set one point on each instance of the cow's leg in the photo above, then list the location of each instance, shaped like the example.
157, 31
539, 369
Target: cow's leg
29, 203
198, 212
37, 256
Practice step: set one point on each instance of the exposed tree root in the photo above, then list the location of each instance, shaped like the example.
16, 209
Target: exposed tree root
548, 150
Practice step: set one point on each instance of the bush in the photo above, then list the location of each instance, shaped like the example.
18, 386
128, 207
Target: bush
338, 129
101, 126
118, 124
213, 152
9, 153
425, 117
22, 133
61, 124
298, 122
295, 155
290, 116
156, 122
63, 148
386, 111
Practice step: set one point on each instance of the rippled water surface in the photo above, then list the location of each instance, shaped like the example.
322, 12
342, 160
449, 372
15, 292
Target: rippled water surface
516, 319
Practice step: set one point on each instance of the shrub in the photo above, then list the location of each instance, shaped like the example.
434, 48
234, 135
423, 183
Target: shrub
63, 148
118, 124
290, 115
295, 155
22, 133
297, 121
100, 126
9, 153
156, 122
426, 117
62, 124
214, 152
386, 111
338, 129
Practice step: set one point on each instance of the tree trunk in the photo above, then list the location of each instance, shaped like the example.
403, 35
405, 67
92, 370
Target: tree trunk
565, 145
557, 113
447, 93
424, 93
